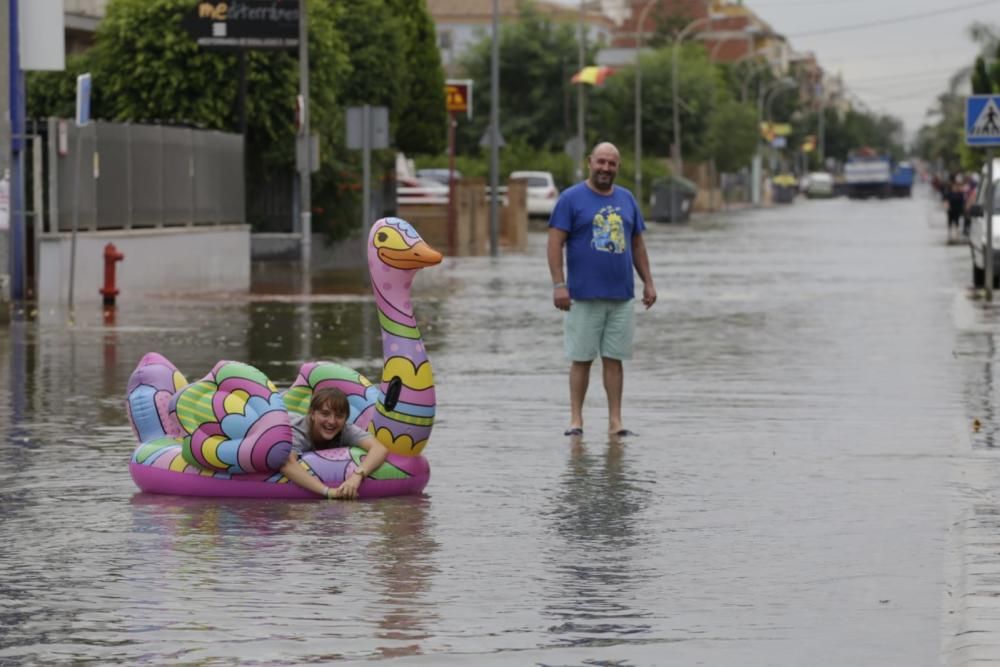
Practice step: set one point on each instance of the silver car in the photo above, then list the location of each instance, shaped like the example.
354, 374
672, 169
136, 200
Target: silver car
977, 230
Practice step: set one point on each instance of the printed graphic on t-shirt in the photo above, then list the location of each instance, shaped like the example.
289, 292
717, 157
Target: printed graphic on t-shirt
609, 231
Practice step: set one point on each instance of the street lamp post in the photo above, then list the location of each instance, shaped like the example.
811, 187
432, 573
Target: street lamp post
305, 174
678, 162
770, 101
758, 67
638, 99
762, 93
748, 34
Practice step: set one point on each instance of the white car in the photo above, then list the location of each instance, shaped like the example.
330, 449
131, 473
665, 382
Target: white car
818, 184
977, 230
420, 191
542, 191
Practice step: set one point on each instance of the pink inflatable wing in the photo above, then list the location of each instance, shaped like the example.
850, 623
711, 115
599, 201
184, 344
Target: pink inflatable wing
150, 389
361, 393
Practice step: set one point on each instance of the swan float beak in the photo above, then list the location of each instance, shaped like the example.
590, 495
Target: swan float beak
415, 257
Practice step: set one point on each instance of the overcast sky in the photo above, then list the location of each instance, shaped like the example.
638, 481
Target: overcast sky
895, 55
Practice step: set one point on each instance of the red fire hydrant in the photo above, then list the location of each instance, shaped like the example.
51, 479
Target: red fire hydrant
111, 255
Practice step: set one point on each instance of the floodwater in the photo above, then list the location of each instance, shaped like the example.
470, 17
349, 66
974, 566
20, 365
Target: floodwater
802, 392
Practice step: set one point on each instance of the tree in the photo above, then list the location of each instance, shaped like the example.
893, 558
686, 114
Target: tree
943, 142
698, 82
146, 68
423, 122
537, 59
732, 135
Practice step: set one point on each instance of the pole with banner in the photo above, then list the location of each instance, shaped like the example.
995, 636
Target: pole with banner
458, 99
982, 130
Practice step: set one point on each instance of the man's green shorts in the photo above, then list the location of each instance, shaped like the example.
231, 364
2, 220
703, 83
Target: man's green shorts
599, 327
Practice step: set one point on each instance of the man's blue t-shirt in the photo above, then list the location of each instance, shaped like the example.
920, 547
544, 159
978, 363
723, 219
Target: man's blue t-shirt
599, 242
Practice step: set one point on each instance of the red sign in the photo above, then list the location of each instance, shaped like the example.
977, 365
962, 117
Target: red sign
458, 96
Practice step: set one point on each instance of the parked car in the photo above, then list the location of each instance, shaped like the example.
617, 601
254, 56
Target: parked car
420, 191
977, 230
437, 174
542, 191
818, 184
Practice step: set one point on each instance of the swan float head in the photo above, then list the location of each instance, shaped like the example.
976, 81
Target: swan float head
404, 409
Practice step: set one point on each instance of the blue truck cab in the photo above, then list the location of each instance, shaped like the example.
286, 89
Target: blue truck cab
901, 180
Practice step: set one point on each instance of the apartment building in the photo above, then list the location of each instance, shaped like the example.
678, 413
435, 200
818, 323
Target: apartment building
80, 19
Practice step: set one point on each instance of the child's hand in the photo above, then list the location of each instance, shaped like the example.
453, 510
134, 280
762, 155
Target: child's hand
348, 490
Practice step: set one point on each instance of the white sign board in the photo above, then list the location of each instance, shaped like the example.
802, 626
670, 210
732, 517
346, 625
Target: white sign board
41, 35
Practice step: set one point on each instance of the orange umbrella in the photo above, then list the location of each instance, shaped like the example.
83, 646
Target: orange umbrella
595, 76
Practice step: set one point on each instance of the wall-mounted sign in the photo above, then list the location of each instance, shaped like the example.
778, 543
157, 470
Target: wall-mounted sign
248, 24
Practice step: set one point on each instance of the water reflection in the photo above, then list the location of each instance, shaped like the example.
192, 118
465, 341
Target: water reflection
325, 566
403, 560
18, 375
977, 348
597, 557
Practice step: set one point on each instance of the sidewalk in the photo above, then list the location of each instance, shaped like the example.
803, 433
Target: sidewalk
972, 602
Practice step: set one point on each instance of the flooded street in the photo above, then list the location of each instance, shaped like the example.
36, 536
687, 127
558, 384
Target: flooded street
807, 487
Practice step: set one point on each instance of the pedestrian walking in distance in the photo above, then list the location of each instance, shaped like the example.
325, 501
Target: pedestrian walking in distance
600, 226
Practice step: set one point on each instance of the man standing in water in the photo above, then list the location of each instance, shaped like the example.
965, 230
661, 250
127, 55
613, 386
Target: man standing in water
600, 225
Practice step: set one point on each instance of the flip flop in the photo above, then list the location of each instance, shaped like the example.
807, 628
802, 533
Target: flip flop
574, 431
625, 432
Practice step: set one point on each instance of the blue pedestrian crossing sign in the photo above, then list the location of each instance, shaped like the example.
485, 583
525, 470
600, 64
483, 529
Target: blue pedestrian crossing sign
982, 120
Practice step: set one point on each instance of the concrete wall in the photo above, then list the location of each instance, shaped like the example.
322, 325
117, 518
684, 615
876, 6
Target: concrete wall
157, 261
471, 234
344, 254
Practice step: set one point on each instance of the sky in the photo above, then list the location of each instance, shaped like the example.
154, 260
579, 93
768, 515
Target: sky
895, 56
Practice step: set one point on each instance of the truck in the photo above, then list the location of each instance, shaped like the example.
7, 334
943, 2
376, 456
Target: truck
868, 174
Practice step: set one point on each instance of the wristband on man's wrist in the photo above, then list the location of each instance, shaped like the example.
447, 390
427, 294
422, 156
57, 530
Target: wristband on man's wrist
558, 285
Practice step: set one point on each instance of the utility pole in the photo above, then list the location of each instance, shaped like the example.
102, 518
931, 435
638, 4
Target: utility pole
821, 131
5, 149
495, 131
305, 174
15, 232
639, 24
580, 53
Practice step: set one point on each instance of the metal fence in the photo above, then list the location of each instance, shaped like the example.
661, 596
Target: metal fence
127, 176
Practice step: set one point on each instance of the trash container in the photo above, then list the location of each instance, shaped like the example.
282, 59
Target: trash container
661, 202
784, 187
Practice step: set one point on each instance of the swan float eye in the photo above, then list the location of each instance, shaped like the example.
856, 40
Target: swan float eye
390, 239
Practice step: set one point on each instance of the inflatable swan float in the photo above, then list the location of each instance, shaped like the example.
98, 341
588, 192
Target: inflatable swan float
228, 434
